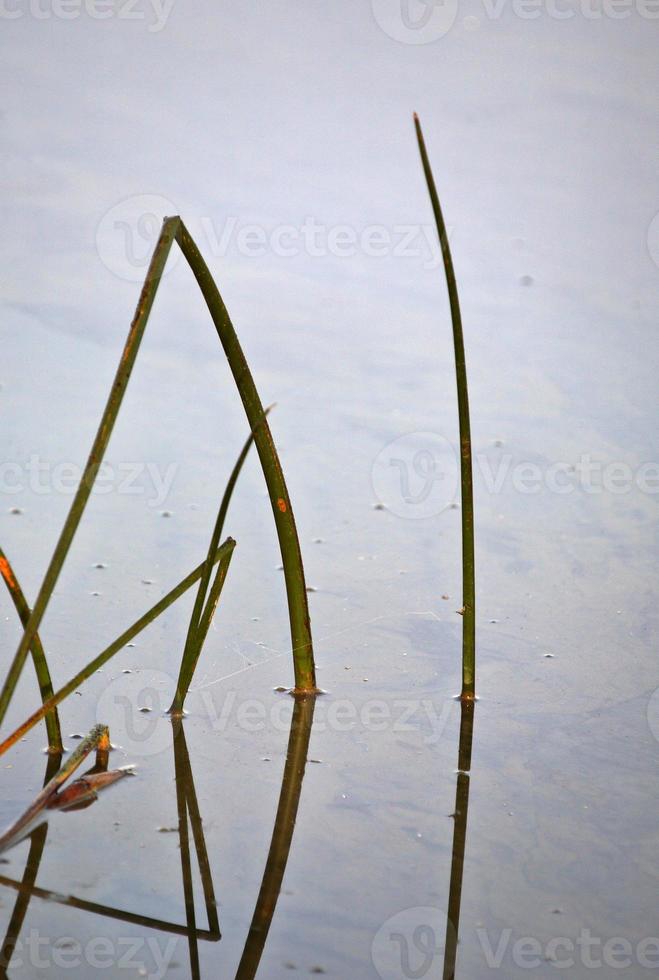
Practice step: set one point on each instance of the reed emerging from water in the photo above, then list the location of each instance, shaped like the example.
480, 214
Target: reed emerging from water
466, 479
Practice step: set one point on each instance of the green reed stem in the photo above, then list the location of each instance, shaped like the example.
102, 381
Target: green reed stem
193, 643
305, 674
53, 729
223, 554
191, 658
466, 479
135, 334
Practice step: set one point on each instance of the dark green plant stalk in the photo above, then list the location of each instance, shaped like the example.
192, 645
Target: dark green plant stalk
194, 640
189, 664
291, 556
38, 654
223, 555
135, 334
466, 479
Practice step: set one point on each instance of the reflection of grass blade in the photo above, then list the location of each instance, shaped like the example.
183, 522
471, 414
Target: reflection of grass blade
37, 844
117, 391
222, 554
38, 654
99, 739
282, 835
194, 641
305, 675
459, 837
186, 864
467, 494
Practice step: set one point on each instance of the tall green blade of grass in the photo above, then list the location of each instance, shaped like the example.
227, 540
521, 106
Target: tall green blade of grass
135, 334
38, 654
298, 609
195, 639
466, 479
223, 555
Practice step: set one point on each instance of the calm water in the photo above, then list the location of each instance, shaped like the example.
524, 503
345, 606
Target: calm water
283, 136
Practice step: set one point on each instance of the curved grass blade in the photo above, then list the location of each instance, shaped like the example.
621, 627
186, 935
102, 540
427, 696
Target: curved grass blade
126, 364
222, 554
466, 479
53, 729
193, 641
291, 555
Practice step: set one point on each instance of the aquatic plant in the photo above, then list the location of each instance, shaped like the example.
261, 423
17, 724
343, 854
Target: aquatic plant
173, 230
466, 480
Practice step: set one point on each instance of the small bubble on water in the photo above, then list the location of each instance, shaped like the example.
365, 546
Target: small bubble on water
165, 513
526, 280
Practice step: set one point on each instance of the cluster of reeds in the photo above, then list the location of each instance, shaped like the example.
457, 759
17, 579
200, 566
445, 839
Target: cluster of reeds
210, 581
209, 587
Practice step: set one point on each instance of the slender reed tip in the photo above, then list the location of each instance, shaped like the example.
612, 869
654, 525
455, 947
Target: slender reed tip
416, 118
